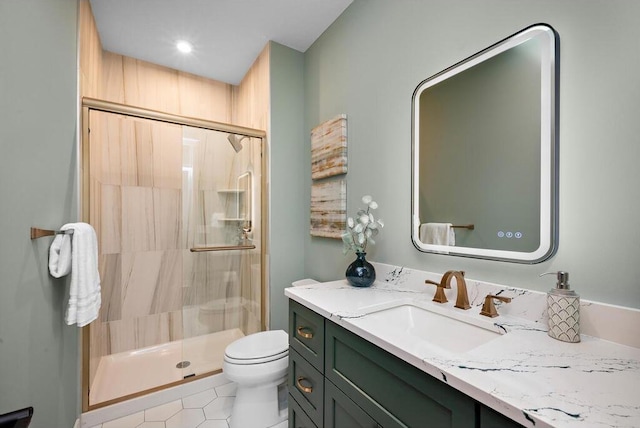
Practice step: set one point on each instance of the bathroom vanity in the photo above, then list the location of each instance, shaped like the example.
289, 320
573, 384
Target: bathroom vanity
346, 381
364, 357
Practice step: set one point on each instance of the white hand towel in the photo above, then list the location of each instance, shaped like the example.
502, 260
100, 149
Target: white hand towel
84, 290
60, 256
437, 234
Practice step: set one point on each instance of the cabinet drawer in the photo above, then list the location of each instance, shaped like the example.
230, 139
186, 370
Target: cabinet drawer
306, 333
297, 417
306, 386
394, 393
340, 411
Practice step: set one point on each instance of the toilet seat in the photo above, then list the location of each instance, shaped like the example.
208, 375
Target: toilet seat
258, 348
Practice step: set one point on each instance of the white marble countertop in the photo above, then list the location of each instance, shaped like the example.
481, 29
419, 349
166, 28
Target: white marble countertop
523, 374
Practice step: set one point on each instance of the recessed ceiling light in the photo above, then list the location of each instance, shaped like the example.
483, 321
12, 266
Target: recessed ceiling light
184, 46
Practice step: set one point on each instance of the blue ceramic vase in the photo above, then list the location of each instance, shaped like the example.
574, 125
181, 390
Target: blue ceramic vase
360, 273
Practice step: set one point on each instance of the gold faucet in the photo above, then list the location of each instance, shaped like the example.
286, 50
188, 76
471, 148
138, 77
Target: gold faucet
462, 299
488, 308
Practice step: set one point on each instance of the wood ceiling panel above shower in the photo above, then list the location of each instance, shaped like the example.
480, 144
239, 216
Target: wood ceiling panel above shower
138, 83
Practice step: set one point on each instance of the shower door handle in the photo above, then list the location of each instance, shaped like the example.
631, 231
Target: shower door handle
222, 248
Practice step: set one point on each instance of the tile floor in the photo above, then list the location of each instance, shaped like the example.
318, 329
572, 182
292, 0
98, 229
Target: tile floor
208, 409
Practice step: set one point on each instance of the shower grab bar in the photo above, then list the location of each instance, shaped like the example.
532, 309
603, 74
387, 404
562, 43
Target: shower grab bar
222, 248
39, 233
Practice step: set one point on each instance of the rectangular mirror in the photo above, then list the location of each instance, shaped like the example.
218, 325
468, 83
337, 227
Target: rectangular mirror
484, 150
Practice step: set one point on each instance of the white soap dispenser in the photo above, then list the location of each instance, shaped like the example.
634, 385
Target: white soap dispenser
563, 308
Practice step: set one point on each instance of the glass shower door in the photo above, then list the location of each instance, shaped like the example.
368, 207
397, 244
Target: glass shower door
178, 214
135, 207
221, 215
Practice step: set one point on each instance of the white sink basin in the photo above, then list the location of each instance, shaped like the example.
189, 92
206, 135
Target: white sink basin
420, 324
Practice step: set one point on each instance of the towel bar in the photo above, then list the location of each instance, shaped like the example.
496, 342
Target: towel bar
465, 226
39, 233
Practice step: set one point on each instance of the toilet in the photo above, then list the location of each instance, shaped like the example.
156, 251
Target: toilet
258, 363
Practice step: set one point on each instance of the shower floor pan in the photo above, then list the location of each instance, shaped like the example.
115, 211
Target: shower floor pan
127, 373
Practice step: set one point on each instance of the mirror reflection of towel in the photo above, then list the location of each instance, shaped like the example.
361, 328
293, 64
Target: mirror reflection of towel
437, 234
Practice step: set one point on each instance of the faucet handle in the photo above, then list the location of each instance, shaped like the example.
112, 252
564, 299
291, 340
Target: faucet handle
439, 296
488, 308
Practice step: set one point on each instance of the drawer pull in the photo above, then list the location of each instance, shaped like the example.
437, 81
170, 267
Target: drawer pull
301, 387
304, 332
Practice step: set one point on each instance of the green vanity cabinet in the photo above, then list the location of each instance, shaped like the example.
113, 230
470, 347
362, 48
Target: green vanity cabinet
345, 381
306, 367
297, 417
306, 386
489, 418
341, 412
394, 393
306, 334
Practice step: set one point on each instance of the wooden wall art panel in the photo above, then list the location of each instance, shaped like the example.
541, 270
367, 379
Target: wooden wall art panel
329, 148
328, 208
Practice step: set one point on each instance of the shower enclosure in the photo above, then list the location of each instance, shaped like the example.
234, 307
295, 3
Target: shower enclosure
177, 206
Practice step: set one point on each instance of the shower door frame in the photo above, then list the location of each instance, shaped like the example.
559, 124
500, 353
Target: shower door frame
89, 104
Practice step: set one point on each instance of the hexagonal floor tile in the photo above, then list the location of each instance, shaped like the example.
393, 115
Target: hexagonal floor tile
199, 400
220, 408
186, 418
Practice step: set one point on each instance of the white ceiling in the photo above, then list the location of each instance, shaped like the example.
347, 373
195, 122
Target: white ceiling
227, 35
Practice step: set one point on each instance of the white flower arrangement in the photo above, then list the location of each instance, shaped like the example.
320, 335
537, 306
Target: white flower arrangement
361, 231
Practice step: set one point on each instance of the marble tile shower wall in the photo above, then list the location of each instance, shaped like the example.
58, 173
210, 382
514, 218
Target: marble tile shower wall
150, 198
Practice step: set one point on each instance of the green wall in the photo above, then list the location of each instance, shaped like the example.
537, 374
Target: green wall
38, 351
288, 178
367, 65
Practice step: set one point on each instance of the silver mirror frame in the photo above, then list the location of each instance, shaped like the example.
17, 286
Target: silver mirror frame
548, 144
